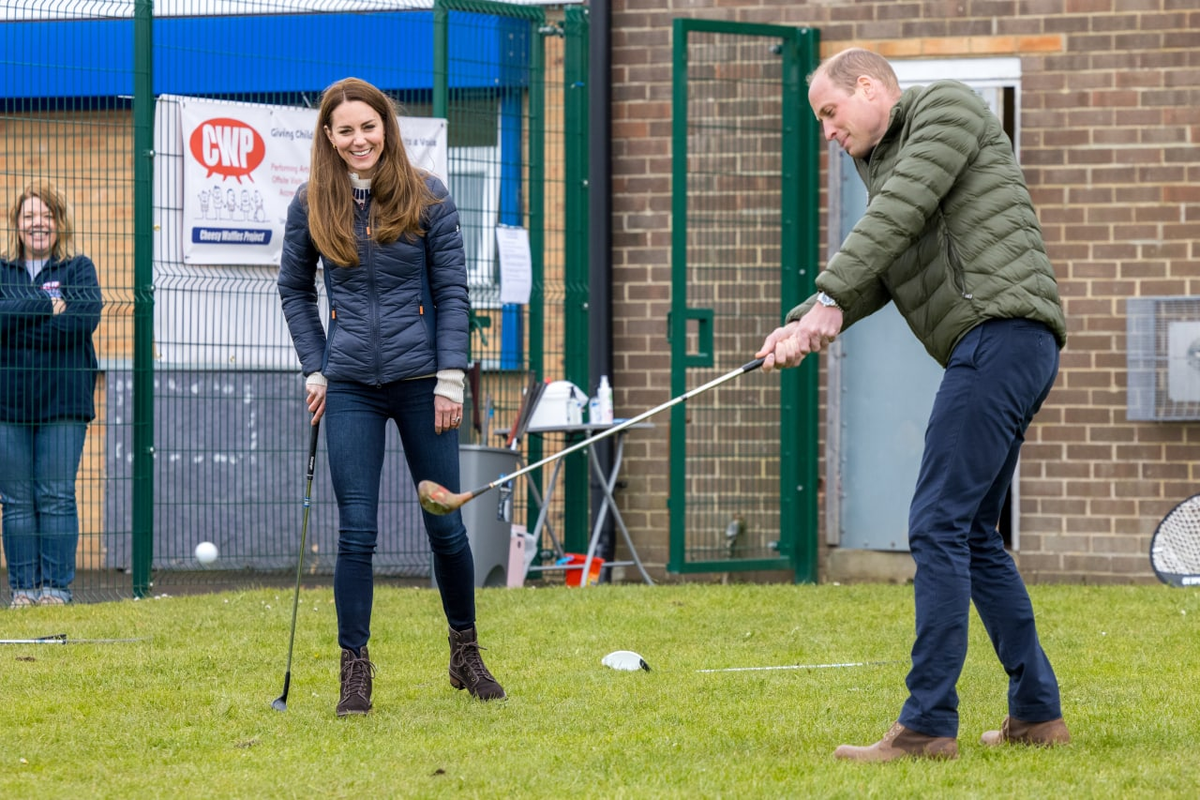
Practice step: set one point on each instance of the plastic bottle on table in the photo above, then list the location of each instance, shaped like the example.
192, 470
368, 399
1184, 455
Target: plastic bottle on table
605, 405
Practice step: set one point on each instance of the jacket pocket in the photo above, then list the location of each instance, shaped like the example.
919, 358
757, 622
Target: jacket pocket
953, 263
333, 334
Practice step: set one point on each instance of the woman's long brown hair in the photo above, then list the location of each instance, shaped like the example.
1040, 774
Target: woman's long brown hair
398, 191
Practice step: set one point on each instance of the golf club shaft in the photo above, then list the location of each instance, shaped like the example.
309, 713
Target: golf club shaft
312, 463
62, 639
803, 666
728, 376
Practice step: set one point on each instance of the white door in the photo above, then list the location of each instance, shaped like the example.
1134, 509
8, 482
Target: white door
881, 381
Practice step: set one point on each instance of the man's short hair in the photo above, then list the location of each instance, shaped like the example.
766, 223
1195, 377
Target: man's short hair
844, 69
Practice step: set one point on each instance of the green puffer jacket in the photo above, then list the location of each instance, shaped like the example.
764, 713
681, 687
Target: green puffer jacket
949, 233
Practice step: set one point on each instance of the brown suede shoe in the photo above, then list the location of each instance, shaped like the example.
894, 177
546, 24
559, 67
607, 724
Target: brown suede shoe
900, 742
1015, 731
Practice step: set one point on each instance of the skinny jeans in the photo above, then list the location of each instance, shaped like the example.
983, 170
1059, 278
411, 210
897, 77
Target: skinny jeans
356, 418
998, 377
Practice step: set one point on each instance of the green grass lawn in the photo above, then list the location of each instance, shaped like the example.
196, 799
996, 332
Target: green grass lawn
185, 711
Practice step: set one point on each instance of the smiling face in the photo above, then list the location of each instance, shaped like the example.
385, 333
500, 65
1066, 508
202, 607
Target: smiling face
855, 119
36, 228
356, 131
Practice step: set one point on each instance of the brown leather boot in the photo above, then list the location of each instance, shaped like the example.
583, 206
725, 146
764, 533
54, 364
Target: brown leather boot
1015, 731
467, 670
357, 672
900, 742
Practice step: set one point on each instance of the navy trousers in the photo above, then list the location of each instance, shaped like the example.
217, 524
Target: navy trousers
356, 419
997, 379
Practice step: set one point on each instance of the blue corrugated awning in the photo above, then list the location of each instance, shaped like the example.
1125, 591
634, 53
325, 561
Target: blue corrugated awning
249, 55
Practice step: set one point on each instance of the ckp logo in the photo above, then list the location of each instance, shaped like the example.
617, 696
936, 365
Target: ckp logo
228, 147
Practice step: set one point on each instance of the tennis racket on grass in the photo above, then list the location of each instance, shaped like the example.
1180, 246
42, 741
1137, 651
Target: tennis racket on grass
1175, 548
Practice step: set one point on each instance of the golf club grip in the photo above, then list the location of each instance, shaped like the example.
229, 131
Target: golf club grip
728, 376
312, 450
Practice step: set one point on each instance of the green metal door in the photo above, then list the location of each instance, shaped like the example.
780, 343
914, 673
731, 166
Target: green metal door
743, 488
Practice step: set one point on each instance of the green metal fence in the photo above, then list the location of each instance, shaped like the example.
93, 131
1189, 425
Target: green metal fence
200, 431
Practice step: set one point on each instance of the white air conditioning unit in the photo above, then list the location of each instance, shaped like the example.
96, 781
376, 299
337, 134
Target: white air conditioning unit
1163, 358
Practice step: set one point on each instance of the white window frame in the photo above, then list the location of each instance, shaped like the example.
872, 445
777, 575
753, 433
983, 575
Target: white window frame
478, 217
989, 77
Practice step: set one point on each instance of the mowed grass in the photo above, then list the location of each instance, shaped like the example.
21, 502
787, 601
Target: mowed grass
185, 712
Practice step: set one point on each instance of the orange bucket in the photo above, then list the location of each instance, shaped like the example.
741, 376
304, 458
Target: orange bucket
574, 563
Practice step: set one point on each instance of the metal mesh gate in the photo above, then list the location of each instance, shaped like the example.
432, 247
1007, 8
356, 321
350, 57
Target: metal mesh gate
744, 193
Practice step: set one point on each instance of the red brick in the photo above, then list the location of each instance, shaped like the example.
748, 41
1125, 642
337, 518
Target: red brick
1119, 221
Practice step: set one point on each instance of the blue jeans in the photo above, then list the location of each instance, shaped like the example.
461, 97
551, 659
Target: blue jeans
356, 418
37, 488
997, 379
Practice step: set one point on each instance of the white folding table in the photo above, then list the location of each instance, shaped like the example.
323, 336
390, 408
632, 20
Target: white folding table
607, 482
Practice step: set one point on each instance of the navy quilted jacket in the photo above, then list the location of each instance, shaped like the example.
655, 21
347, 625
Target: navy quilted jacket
401, 313
47, 361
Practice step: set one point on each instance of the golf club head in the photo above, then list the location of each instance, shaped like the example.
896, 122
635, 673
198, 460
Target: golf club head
280, 703
437, 499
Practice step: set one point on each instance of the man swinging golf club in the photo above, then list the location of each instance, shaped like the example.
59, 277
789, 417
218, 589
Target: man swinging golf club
950, 236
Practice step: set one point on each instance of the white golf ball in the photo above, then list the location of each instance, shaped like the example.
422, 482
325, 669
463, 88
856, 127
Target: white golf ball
206, 552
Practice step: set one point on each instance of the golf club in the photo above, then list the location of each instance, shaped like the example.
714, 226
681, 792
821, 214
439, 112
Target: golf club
804, 666
61, 638
437, 499
629, 661
280, 703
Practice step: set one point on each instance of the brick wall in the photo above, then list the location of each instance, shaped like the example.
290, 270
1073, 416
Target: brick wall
1110, 144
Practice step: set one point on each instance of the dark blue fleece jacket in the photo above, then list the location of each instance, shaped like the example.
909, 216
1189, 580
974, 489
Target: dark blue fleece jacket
47, 361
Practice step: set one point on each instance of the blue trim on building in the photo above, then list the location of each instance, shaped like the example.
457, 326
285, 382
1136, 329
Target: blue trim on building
512, 333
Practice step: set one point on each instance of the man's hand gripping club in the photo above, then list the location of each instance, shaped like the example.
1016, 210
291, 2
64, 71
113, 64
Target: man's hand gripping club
787, 346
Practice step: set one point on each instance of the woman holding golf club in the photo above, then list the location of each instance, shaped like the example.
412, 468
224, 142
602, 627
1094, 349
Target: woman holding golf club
396, 350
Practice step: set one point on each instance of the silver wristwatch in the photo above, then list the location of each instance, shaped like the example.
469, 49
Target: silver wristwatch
827, 301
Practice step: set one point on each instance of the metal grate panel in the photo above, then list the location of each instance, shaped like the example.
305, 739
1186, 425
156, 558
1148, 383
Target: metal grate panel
1163, 358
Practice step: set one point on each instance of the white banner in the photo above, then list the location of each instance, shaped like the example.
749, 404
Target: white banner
243, 163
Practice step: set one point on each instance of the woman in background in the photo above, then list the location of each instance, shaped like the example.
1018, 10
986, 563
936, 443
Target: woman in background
49, 308
396, 350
